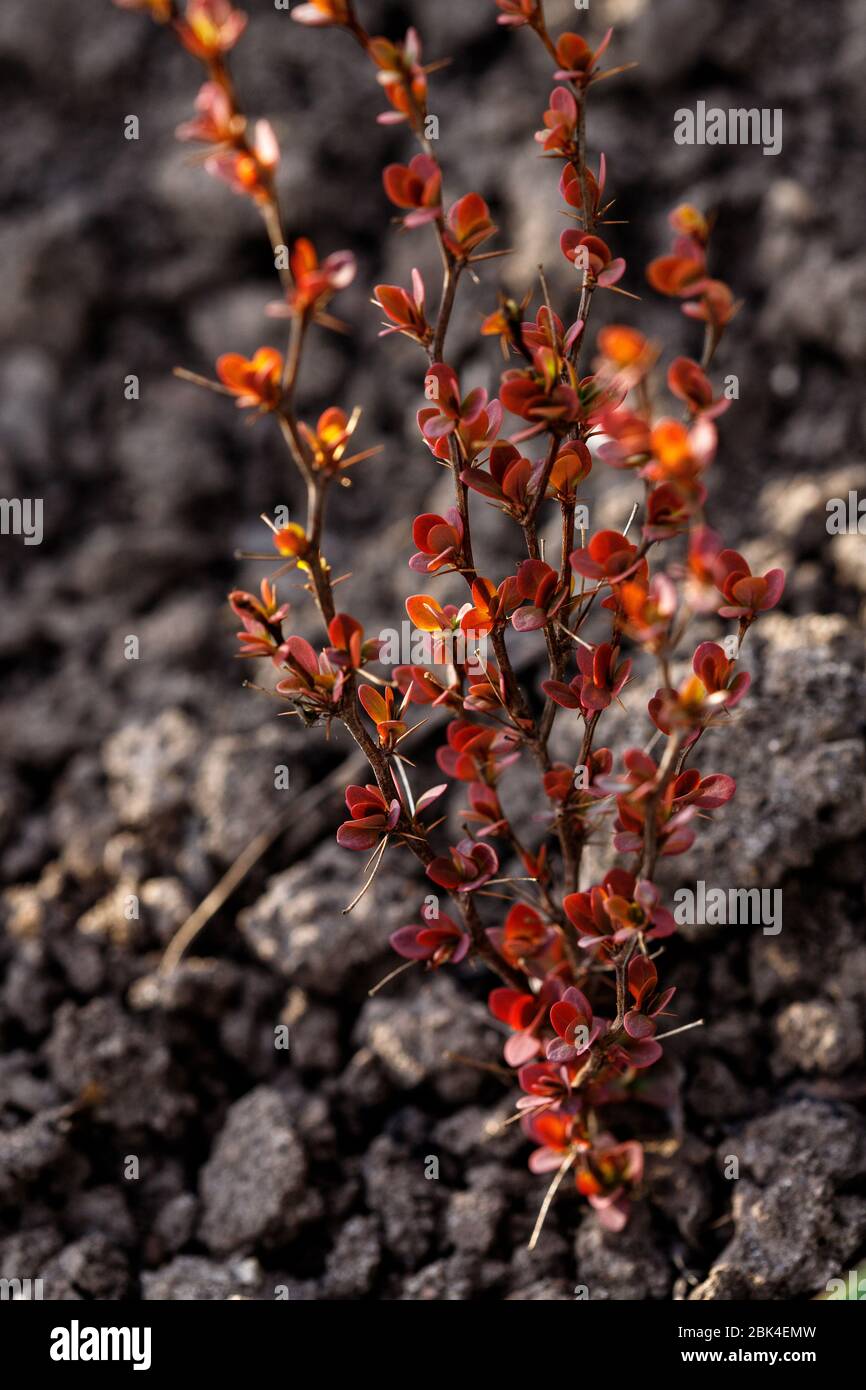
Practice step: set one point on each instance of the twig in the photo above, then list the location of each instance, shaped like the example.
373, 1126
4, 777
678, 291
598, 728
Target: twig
548, 1198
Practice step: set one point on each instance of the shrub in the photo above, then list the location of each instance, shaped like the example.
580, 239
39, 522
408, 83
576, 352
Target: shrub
568, 955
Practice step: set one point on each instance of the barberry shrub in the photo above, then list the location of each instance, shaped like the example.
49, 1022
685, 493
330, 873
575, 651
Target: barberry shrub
579, 990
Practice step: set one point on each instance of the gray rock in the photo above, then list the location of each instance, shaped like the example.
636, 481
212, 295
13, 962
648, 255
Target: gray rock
282, 1287
172, 417
312, 1118
543, 1291
793, 1228
82, 963
198, 985
31, 908
715, 1093
150, 766
176, 1222
473, 1128
252, 1187
108, 919
819, 1036
353, 1261
403, 1198
412, 1036
124, 1068
103, 1210
235, 790
820, 941
811, 1137
165, 905
671, 39
28, 994
472, 1218
848, 554
30, 1149
298, 927
314, 1033
364, 1084
89, 1268
796, 509
836, 324
790, 1238
679, 1185
194, 1279
24, 1254
445, 1281
21, 1089
622, 1265
799, 764
125, 856
552, 1256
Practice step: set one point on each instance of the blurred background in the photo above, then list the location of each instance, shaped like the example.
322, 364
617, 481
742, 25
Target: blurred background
141, 781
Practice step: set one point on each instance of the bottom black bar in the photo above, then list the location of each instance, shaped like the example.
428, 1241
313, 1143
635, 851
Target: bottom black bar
79, 1340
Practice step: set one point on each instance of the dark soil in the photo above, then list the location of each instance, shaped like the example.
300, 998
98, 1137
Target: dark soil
154, 1142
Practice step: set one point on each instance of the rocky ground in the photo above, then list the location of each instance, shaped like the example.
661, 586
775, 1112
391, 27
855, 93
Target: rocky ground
153, 1141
